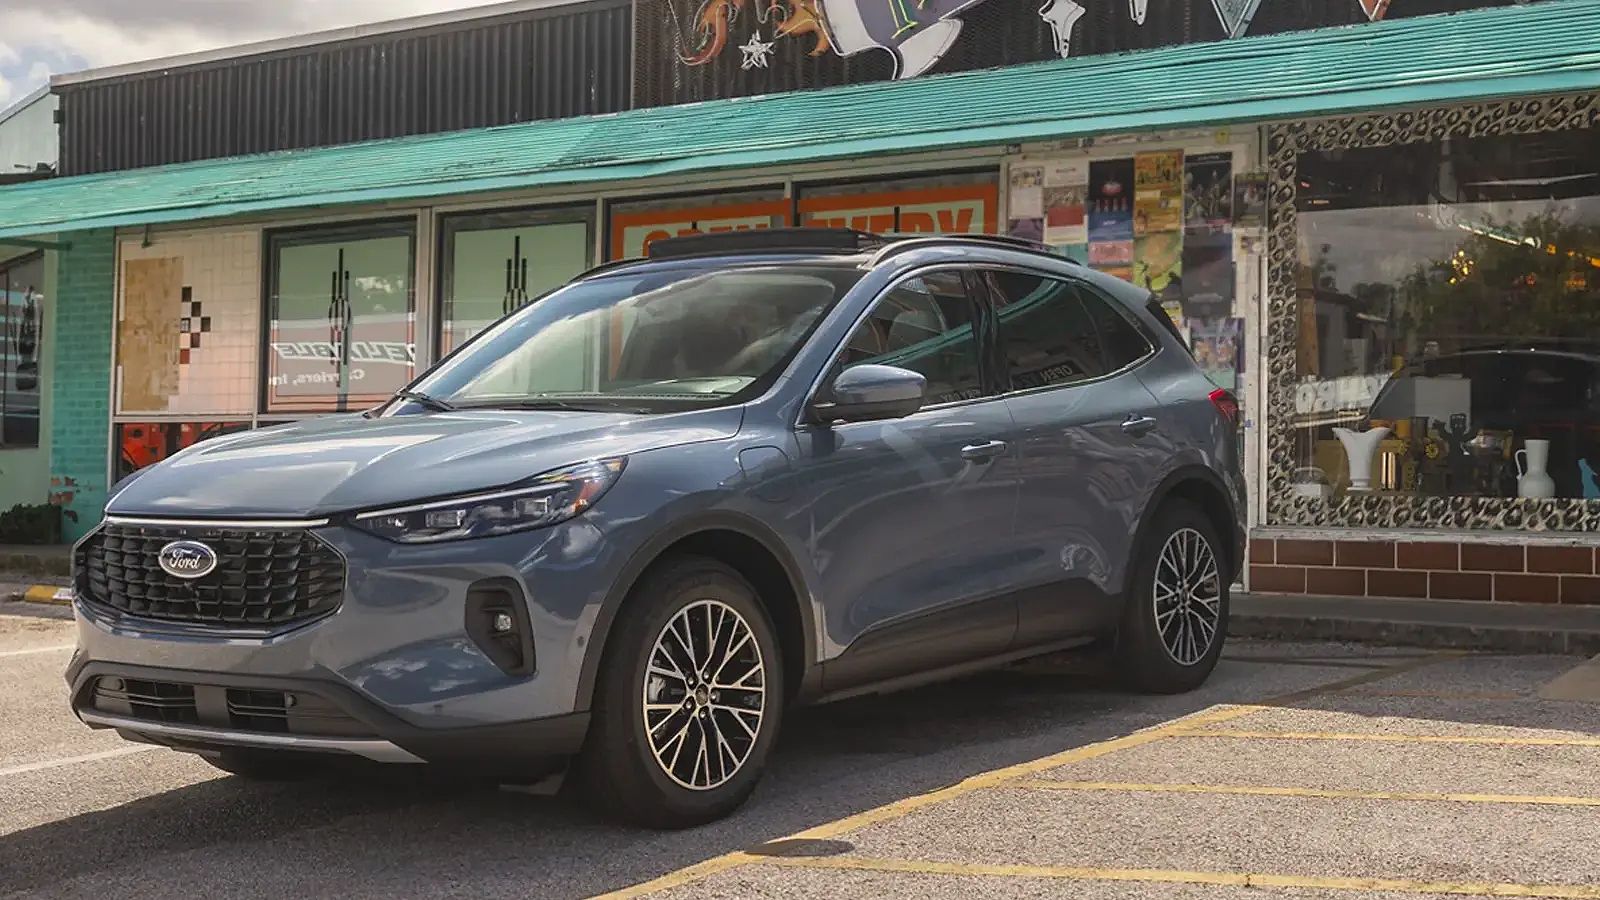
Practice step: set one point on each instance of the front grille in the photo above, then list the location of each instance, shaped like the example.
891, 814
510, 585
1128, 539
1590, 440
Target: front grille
264, 577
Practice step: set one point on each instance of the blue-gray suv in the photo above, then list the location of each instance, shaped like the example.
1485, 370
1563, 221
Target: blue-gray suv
631, 524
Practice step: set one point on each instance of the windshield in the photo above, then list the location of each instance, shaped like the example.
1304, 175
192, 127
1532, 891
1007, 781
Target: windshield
655, 341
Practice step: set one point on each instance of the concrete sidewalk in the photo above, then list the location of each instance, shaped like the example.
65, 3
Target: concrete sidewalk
1506, 627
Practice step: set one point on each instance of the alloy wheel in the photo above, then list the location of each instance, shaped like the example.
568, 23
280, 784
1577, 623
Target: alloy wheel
704, 695
1187, 596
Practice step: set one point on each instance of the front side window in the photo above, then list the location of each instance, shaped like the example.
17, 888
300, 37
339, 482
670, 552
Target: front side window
656, 341
21, 326
497, 263
341, 317
925, 325
1046, 334
1449, 318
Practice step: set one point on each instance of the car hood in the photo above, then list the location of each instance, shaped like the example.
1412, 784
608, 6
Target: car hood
348, 462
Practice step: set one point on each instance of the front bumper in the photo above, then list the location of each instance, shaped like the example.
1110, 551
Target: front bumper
396, 667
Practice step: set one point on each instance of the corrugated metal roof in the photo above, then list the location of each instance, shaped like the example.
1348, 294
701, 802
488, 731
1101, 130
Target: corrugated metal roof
1485, 53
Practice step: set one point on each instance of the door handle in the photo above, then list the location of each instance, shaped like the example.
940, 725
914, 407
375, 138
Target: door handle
983, 452
1139, 426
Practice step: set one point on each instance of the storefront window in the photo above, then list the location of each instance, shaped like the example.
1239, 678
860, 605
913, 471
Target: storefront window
497, 263
944, 204
1449, 319
635, 226
21, 327
341, 316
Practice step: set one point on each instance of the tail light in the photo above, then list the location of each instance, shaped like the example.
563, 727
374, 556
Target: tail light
1226, 404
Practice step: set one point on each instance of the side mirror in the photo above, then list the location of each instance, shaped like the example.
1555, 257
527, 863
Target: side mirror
868, 393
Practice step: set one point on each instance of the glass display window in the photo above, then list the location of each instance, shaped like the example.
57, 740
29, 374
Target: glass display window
22, 309
966, 203
1448, 304
496, 263
341, 316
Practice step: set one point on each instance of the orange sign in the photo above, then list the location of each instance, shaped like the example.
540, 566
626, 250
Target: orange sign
965, 209
633, 233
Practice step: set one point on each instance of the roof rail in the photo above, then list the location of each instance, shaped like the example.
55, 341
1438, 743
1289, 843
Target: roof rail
902, 243
826, 240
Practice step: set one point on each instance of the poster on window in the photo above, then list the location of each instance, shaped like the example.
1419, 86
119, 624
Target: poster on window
1208, 273
632, 233
1217, 346
1250, 200
1111, 200
1158, 263
1066, 192
1158, 192
314, 363
1208, 191
958, 209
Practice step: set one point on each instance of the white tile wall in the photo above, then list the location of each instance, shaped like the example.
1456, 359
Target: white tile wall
223, 269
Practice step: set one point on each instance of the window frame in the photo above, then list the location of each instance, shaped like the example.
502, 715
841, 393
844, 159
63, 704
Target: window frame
449, 225
983, 332
1088, 293
271, 241
6, 267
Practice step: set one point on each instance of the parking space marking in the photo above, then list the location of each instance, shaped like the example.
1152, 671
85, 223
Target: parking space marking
31, 651
74, 760
1178, 876
1438, 695
904, 807
1308, 662
1381, 738
1315, 793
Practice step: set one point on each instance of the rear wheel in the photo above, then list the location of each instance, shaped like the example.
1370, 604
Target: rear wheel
1177, 615
689, 699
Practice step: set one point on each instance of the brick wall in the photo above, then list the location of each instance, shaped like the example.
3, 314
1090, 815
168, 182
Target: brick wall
1438, 570
80, 425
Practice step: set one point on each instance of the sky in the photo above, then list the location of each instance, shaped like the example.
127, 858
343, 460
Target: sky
39, 38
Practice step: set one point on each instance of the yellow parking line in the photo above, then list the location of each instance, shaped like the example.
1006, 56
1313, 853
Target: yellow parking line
1439, 695
1178, 876
901, 808
1486, 740
1317, 793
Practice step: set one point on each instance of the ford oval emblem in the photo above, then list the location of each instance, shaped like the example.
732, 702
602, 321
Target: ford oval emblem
187, 559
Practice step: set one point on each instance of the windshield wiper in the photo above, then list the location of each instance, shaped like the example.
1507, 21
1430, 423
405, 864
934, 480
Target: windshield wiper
433, 403
575, 405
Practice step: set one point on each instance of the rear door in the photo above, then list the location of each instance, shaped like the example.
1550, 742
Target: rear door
1087, 430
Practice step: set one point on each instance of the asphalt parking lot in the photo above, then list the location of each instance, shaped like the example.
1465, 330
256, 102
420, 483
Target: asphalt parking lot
1299, 771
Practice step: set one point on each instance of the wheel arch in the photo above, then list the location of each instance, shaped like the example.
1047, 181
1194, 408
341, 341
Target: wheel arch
1203, 488
750, 548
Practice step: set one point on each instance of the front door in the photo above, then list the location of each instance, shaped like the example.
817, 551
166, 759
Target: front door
911, 518
1085, 427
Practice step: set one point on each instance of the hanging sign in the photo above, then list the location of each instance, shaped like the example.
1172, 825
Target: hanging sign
633, 233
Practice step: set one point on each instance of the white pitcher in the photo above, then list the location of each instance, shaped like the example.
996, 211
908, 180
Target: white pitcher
1359, 446
1533, 479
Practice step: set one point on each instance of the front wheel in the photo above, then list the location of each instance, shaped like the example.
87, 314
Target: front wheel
689, 699
1177, 614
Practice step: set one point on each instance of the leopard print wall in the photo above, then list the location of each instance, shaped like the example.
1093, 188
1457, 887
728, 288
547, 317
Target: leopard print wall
1285, 143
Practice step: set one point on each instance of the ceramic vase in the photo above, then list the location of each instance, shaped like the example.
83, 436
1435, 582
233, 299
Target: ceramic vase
1533, 476
1359, 447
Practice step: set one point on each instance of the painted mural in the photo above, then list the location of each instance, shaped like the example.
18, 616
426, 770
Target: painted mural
915, 33
695, 50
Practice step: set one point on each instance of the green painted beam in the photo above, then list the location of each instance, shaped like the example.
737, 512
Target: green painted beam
1510, 51
33, 244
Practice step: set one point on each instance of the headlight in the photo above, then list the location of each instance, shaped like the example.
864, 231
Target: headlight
546, 500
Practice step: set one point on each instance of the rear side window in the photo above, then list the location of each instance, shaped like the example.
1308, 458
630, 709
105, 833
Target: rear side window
1047, 336
1124, 343
1158, 313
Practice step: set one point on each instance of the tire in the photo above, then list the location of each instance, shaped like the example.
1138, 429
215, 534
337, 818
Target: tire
684, 787
1161, 657
268, 766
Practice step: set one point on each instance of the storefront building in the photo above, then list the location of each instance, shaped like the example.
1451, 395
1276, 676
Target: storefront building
1349, 227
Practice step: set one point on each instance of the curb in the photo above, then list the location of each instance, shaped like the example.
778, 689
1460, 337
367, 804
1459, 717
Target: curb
48, 594
1439, 635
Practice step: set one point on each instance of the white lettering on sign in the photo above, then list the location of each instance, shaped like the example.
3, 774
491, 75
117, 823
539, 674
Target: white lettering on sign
390, 352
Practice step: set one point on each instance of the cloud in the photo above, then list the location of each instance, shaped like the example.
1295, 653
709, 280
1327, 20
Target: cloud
39, 38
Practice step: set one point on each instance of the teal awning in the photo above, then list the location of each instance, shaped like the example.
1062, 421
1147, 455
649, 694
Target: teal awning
1547, 47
